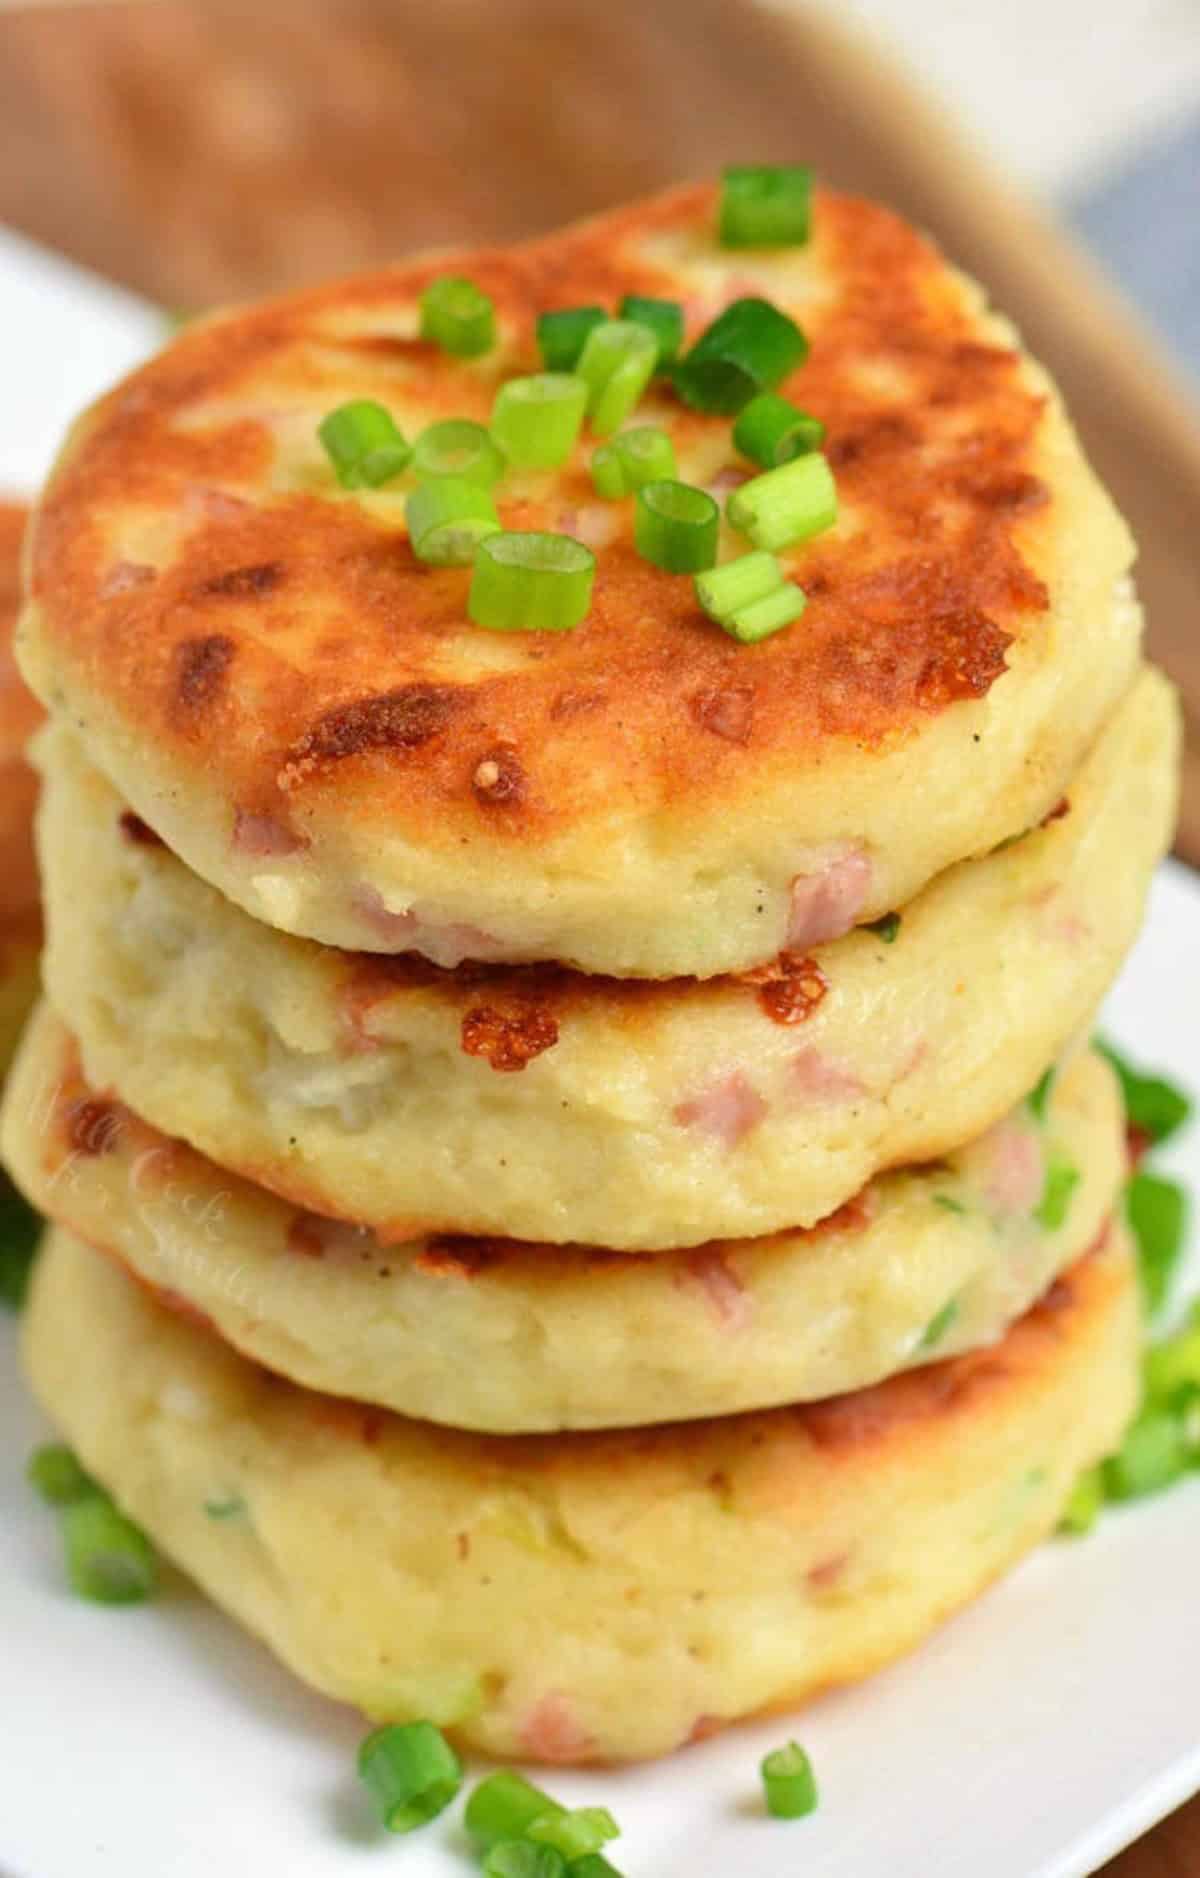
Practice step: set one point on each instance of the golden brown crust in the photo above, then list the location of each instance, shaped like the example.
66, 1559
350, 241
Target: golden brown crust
20, 921
296, 646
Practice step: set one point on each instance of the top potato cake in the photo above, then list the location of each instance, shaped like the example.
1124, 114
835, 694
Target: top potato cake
305, 713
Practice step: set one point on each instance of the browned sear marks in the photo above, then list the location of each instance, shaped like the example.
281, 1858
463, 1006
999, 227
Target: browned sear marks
244, 583
508, 1039
200, 668
790, 988
402, 719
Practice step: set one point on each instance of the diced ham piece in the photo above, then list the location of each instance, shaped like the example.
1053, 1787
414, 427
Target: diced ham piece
815, 1077
447, 944
826, 904
265, 834
731, 477
204, 504
722, 1287
550, 1732
596, 525
124, 576
1013, 1170
728, 1110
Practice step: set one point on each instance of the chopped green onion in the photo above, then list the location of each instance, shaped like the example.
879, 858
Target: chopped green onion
592, 1865
664, 318
789, 1783
1062, 1178
536, 420
20, 1229
750, 597
504, 1805
765, 205
233, 1506
109, 1559
1039, 1095
1157, 1212
520, 1858
576, 1833
411, 1772
457, 447
772, 431
676, 526
948, 1203
643, 455
937, 1326
563, 334
886, 928
1085, 1505
457, 316
1155, 1107
54, 1472
787, 505
749, 348
1172, 1367
447, 520
616, 365
1152, 1456
364, 444
531, 583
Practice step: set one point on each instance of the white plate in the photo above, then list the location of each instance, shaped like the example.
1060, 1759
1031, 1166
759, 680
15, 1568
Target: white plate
1030, 1738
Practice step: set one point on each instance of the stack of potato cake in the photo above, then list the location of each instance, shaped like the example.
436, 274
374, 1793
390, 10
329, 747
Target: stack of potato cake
608, 1216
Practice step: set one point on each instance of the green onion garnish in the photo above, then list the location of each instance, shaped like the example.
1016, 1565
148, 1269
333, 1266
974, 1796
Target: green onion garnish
789, 1783
937, 1326
447, 519
772, 430
1152, 1456
1039, 1095
886, 928
458, 447
536, 420
749, 597
642, 455
765, 205
1157, 1211
787, 505
1085, 1505
1155, 1107
576, 1833
411, 1772
664, 318
20, 1229
364, 444
1171, 1369
457, 316
749, 348
616, 365
1062, 1178
562, 335
504, 1805
676, 527
109, 1559
592, 1865
531, 583
55, 1473
520, 1858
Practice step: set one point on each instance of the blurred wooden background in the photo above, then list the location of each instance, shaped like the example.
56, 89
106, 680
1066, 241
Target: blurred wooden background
211, 152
